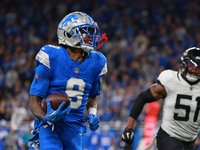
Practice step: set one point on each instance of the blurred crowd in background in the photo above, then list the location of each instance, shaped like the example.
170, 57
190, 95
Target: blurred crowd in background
145, 37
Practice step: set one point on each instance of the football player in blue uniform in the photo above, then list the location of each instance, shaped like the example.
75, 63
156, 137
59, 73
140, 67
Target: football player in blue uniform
73, 68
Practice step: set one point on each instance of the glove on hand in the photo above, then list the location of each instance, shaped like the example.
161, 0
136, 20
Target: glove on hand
128, 136
54, 115
94, 122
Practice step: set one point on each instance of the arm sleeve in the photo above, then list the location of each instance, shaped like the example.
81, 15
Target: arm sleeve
141, 100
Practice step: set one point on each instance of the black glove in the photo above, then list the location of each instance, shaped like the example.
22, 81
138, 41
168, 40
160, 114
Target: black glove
128, 136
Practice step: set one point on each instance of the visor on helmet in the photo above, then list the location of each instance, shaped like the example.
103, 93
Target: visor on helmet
193, 63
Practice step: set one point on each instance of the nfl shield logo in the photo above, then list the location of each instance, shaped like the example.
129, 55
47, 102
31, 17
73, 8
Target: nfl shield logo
76, 70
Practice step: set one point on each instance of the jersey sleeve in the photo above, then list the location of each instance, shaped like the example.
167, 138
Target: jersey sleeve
44, 56
165, 79
103, 71
103, 66
96, 88
41, 80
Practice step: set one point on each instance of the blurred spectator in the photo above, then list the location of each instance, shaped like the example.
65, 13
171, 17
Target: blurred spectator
141, 43
3, 133
117, 96
2, 80
26, 136
144, 38
18, 114
2, 108
12, 140
92, 140
106, 139
11, 78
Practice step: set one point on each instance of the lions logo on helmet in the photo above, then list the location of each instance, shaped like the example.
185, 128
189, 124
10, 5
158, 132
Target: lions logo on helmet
190, 58
76, 26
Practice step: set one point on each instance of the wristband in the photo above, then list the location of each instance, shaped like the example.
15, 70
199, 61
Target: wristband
92, 110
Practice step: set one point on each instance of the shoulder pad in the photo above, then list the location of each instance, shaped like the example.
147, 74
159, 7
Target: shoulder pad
166, 75
100, 61
46, 53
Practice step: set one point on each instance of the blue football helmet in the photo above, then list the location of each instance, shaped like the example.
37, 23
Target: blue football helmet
75, 27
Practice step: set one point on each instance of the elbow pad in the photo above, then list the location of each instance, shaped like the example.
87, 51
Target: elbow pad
140, 101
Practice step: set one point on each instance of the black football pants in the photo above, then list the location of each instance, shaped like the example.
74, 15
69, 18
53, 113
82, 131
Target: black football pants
165, 142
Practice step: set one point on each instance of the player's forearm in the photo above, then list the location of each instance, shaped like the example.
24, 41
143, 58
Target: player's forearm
92, 102
35, 107
92, 105
130, 123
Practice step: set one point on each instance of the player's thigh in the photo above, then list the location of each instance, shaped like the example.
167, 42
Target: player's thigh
189, 145
49, 140
71, 140
165, 142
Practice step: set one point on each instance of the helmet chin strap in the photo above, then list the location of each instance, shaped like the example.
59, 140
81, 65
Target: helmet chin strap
87, 48
191, 78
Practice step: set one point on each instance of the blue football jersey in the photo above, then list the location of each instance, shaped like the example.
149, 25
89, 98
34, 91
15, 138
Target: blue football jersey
58, 73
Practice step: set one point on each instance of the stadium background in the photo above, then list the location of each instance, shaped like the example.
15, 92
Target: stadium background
145, 37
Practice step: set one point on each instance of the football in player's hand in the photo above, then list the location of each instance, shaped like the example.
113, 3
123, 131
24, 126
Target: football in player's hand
56, 100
